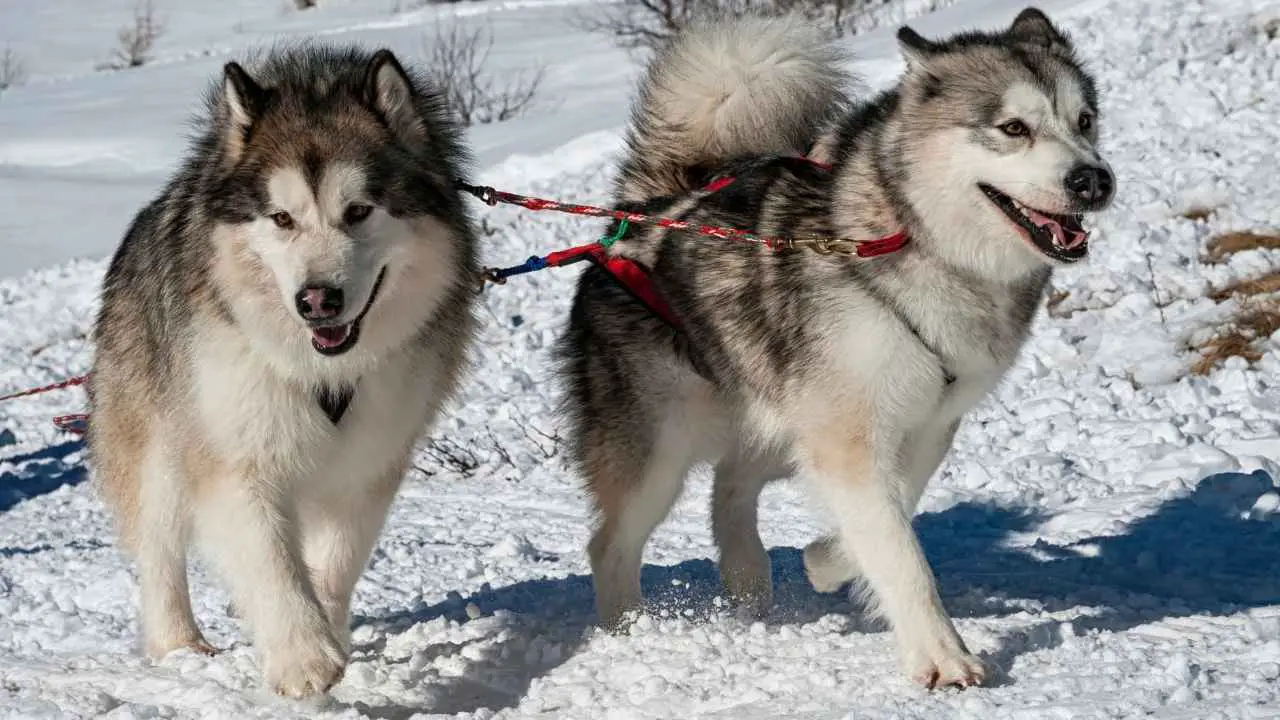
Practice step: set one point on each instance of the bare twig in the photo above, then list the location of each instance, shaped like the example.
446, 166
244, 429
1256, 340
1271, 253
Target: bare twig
527, 425
457, 59
451, 455
498, 447
136, 40
649, 23
12, 70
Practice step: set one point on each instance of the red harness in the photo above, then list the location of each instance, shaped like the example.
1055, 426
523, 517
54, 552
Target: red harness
635, 279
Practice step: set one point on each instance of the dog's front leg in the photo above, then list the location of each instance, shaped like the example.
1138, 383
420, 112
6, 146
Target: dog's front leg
338, 538
825, 561
251, 532
861, 488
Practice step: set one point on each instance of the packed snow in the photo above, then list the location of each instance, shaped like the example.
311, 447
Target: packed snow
1106, 531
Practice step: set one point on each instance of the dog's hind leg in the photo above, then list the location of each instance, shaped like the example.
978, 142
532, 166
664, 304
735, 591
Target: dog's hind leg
634, 488
160, 536
827, 566
861, 485
744, 564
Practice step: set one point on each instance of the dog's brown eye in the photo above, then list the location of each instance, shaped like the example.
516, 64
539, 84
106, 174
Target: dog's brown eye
1086, 121
356, 213
283, 220
1015, 128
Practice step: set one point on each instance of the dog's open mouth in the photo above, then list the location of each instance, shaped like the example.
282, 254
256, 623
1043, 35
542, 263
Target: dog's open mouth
1060, 237
338, 339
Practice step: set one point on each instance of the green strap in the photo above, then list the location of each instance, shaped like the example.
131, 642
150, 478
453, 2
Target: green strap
616, 236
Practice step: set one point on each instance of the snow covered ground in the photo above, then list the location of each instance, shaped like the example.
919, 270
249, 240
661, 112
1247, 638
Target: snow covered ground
1106, 532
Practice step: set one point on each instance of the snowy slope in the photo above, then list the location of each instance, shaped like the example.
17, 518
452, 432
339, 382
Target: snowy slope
1105, 532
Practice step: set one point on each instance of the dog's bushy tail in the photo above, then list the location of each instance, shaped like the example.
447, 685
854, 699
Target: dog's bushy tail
729, 88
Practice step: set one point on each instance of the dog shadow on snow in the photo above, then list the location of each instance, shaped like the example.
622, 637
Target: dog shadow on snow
40, 472
1205, 553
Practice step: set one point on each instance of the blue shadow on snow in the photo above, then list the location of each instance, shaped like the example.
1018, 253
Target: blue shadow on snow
40, 472
1204, 553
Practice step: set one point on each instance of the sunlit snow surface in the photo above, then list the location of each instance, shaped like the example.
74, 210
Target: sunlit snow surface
1105, 530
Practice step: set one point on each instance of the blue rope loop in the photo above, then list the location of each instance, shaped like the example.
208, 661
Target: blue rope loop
533, 264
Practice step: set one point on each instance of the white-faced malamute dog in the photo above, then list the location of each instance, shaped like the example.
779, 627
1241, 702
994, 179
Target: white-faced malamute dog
277, 329
851, 372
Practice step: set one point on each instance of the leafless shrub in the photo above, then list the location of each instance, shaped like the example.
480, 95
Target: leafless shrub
499, 448
12, 70
649, 23
448, 454
548, 444
136, 40
456, 62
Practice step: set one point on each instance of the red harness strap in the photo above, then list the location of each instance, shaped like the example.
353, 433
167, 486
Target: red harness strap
634, 277
864, 249
882, 246
631, 275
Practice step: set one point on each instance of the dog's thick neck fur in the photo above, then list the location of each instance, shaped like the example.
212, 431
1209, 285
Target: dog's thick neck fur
863, 197
868, 200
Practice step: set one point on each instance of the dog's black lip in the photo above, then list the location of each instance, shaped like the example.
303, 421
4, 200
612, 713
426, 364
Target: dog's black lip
353, 336
1042, 240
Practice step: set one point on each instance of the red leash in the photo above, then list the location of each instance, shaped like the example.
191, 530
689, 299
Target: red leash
71, 382
826, 246
633, 277
73, 423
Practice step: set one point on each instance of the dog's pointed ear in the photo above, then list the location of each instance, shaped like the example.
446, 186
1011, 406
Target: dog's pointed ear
915, 47
389, 92
244, 101
1034, 27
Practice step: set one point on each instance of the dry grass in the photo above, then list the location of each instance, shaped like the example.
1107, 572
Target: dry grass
1198, 212
1056, 298
1258, 316
1221, 247
1256, 321
1265, 285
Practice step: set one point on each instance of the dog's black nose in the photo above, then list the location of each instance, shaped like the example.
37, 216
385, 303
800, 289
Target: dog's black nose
319, 302
1093, 185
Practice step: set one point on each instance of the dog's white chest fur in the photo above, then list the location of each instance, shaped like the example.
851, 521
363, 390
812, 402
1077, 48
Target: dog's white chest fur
280, 427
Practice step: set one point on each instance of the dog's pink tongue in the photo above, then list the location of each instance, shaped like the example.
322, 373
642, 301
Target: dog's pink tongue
1047, 223
1077, 239
1059, 233
329, 337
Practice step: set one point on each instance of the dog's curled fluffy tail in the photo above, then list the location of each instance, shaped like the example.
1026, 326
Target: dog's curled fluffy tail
723, 89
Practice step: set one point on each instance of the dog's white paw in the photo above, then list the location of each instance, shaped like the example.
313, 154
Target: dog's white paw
955, 668
159, 644
308, 664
